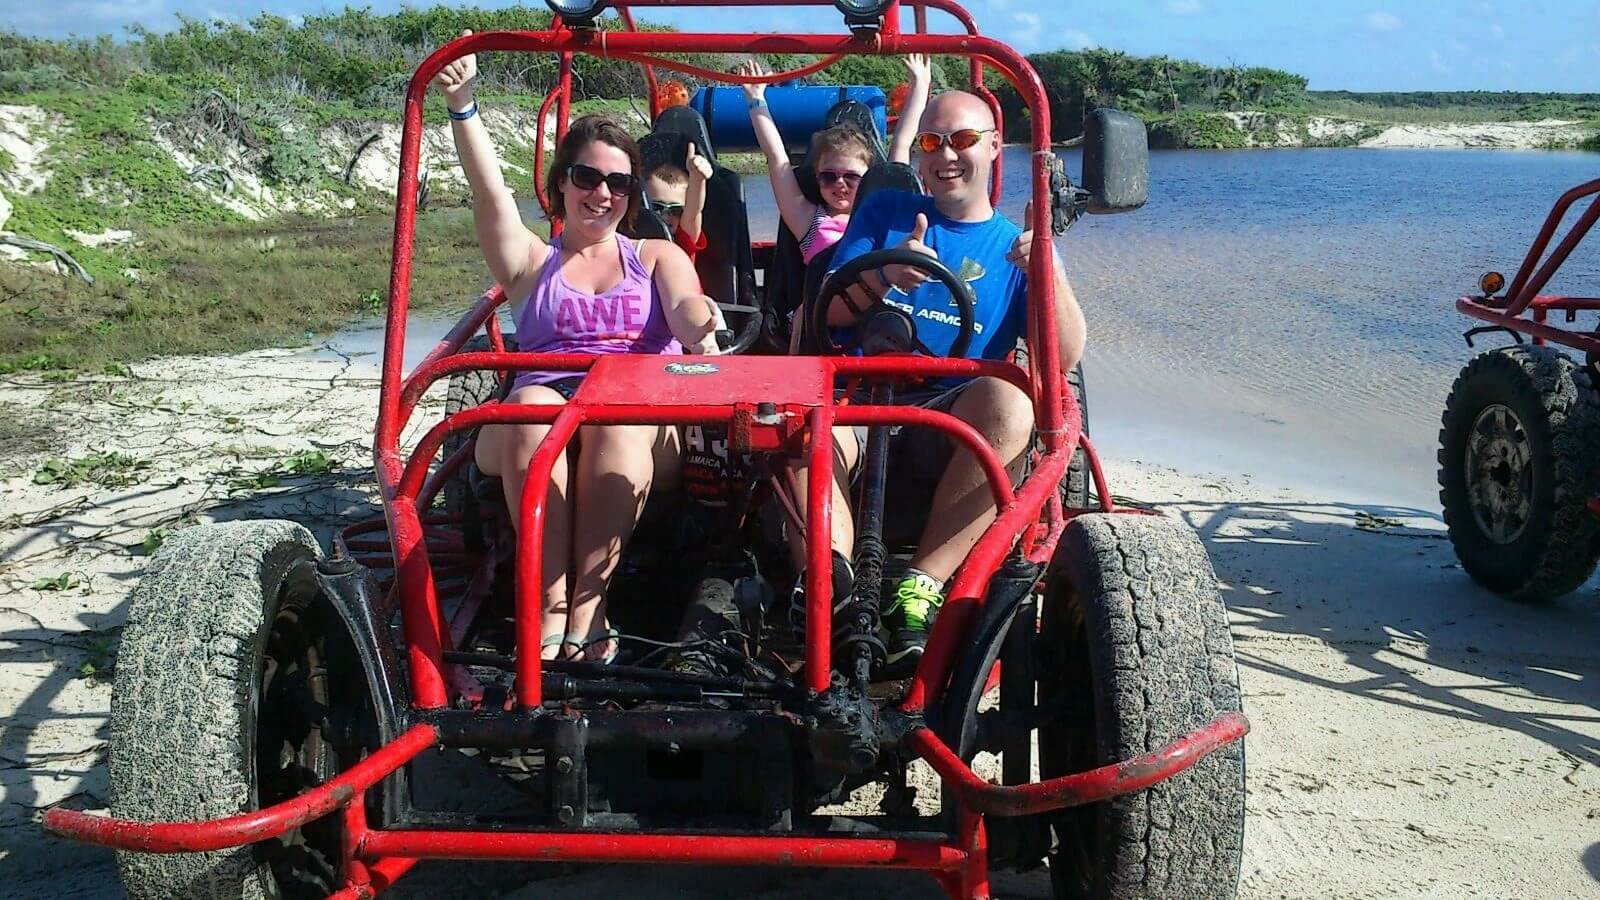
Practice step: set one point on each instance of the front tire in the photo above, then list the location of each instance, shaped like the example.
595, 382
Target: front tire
1518, 450
1135, 653
229, 673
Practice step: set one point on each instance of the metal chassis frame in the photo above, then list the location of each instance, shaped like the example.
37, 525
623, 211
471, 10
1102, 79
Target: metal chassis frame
375, 858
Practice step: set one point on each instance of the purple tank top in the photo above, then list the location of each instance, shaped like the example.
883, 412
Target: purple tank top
560, 319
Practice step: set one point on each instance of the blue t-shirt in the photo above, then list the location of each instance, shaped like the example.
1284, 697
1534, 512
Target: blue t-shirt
975, 251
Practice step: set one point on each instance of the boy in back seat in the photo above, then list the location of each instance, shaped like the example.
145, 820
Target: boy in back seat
679, 197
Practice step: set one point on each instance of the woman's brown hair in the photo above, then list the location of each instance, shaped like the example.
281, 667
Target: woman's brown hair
581, 134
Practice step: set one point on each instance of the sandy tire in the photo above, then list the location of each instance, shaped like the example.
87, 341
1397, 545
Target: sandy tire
201, 723
467, 390
1135, 652
1519, 448
1076, 488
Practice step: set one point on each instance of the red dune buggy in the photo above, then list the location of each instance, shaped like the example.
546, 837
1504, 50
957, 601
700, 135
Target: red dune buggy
281, 718
1519, 449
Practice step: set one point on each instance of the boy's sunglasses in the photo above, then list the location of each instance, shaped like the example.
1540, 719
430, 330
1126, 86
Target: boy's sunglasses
931, 141
587, 178
829, 176
661, 207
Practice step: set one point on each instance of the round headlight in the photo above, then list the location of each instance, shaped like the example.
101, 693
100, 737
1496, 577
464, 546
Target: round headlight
861, 12
1491, 283
577, 12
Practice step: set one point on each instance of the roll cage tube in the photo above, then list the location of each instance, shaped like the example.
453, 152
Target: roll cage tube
423, 628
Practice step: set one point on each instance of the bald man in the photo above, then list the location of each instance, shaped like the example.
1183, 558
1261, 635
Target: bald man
955, 222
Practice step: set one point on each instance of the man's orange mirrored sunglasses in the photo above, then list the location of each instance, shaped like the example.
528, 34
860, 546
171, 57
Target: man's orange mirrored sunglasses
931, 141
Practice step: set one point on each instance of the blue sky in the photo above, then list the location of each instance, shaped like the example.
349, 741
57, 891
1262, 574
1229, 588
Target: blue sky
1533, 45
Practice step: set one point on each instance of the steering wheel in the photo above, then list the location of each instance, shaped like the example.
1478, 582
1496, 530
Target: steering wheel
734, 342
849, 275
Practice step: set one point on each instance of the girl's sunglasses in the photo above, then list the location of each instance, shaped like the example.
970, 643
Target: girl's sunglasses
587, 178
931, 141
829, 176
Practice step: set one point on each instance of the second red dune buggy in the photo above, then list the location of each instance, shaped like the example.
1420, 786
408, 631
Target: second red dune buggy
285, 723
1519, 449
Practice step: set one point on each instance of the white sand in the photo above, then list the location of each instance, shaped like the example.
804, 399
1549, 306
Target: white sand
1482, 135
1413, 736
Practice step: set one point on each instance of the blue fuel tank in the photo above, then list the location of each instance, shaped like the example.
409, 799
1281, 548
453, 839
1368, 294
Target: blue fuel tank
798, 110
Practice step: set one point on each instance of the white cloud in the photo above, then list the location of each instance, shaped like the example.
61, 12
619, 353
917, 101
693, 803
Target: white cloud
1077, 40
1384, 21
1496, 30
1184, 7
1026, 34
1437, 62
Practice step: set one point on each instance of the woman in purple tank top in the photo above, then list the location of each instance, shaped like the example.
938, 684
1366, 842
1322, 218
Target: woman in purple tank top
588, 291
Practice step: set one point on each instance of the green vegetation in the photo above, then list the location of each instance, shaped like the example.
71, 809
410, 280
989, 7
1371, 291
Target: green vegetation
108, 469
230, 288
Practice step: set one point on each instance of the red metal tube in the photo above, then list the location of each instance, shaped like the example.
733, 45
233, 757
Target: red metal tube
695, 849
416, 470
955, 617
1474, 307
247, 828
420, 619
431, 370
538, 150
1520, 285
993, 469
491, 330
908, 365
1082, 788
530, 553
819, 546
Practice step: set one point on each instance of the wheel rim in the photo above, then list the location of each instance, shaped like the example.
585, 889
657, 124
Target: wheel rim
1069, 742
1499, 473
292, 753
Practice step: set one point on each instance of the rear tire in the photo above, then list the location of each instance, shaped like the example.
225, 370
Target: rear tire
228, 675
1518, 451
1078, 484
1134, 653
468, 390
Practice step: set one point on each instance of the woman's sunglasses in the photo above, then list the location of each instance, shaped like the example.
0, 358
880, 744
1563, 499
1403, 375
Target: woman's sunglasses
931, 141
587, 178
828, 177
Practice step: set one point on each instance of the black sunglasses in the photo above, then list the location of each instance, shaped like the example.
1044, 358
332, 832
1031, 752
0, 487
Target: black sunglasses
829, 176
664, 208
587, 178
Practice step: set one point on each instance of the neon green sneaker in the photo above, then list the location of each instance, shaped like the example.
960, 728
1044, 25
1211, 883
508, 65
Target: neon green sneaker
909, 616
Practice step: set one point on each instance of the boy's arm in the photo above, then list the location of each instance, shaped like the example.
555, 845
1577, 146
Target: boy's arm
694, 196
921, 69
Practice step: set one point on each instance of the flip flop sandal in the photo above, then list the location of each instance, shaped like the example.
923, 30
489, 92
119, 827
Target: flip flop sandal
610, 634
559, 640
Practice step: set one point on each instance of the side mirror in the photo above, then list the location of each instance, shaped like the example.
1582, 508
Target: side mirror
1116, 161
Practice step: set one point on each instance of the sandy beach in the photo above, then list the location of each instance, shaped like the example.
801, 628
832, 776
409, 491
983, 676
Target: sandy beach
1413, 736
